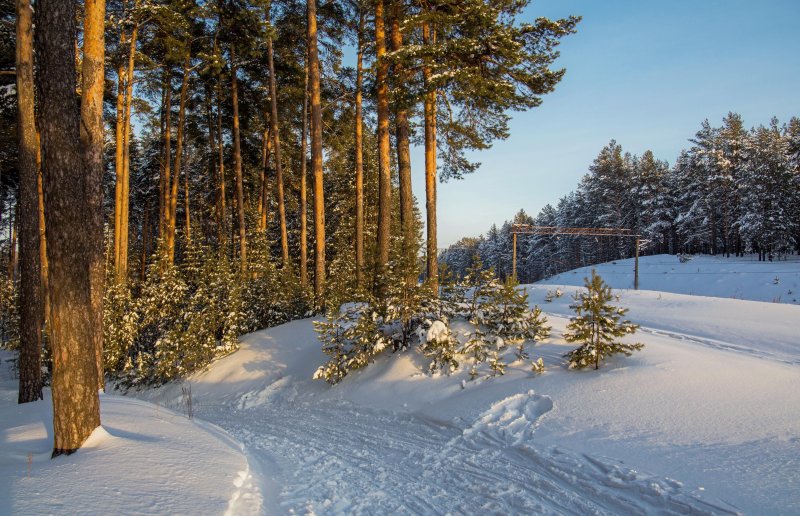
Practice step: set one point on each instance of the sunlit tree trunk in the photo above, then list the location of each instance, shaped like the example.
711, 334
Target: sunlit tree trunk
167, 167
403, 150
119, 166
304, 185
276, 144
359, 143
222, 209
316, 154
176, 173
30, 295
92, 129
237, 164
384, 170
431, 250
123, 272
76, 406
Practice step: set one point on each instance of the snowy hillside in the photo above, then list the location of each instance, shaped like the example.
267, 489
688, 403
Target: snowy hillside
705, 419
702, 275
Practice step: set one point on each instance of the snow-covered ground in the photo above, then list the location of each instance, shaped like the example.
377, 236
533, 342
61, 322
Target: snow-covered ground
145, 459
705, 419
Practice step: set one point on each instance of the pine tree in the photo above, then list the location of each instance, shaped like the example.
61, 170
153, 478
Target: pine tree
597, 325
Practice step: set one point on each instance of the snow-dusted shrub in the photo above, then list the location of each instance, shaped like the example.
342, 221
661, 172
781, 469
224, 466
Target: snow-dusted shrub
9, 314
439, 344
596, 325
351, 337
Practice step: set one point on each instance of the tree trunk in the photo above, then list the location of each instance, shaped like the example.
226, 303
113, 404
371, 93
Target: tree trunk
222, 210
316, 155
359, 137
176, 173
237, 164
127, 153
45, 291
304, 186
385, 173
262, 187
276, 143
76, 405
92, 130
119, 166
167, 167
403, 153
430, 171
30, 298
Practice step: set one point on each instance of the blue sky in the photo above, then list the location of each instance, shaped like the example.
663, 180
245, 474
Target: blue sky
645, 73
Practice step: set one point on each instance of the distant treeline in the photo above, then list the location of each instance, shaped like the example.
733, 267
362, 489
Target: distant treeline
734, 191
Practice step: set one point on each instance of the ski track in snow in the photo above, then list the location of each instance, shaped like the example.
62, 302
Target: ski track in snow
338, 458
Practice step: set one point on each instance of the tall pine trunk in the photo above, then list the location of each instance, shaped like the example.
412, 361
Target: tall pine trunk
127, 153
431, 250
316, 155
304, 185
176, 173
263, 197
91, 133
222, 209
166, 177
359, 144
76, 405
30, 296
276, 143
237, 164
119, 166
403, 151
384, 170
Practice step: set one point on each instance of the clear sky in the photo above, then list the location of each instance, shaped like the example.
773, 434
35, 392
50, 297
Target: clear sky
643, 72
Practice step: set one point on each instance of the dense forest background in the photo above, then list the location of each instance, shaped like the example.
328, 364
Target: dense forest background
733, 191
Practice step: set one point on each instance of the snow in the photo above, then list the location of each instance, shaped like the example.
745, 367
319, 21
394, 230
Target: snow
705, 419
144, 459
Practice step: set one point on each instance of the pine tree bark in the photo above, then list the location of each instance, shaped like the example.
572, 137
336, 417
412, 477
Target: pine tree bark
403, 151
119, 166
431, 250
384, 170
45, 291
125, 224
304, 185
359, 144
30, 297
276, 144
167, 167
76, 405
316, 155
222, 210
92, 130
237, 164
263, 196
176, 173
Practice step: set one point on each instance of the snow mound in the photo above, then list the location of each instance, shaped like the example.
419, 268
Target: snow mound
511, 420
144, 459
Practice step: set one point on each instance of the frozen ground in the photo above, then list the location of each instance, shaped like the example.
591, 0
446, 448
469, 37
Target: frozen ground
706, 419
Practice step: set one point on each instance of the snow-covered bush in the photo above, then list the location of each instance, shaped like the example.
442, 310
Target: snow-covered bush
596, 325
439, 344
351, 337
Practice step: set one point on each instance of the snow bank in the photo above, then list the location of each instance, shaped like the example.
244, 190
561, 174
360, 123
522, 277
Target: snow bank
144, 460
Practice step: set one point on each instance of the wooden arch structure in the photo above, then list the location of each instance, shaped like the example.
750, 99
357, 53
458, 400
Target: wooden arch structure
529, 229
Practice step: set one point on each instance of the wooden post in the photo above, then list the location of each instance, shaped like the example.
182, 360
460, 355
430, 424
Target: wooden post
636, 266
514, 258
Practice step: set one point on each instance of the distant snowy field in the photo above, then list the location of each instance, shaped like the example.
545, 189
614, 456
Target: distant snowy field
706, 419
735, 277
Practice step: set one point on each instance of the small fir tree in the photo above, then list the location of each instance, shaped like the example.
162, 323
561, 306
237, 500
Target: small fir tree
597, 325
477, 348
